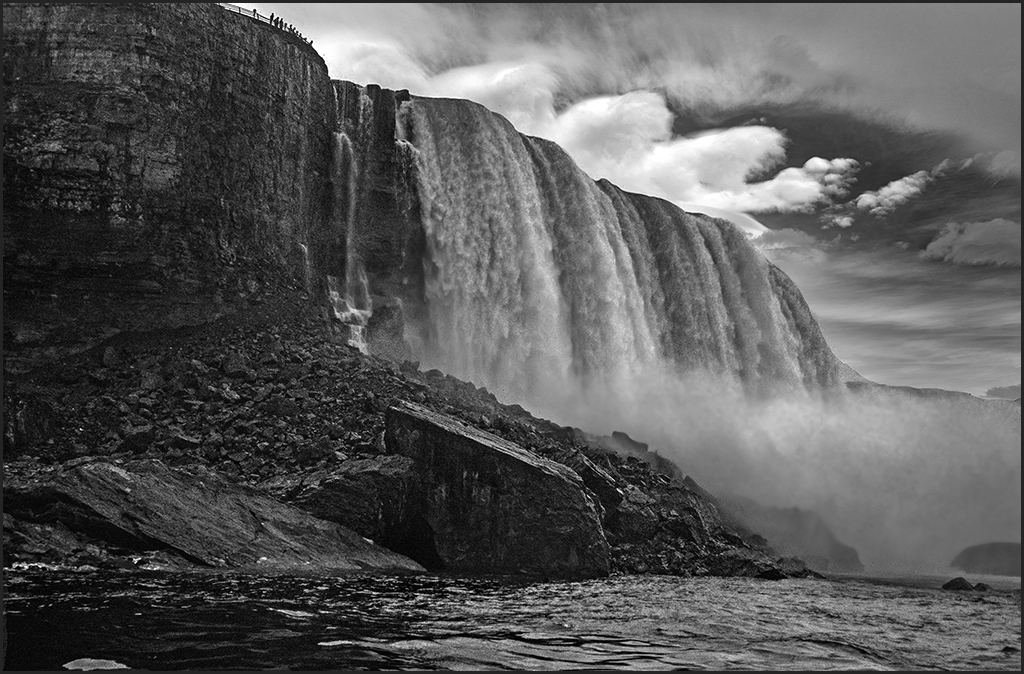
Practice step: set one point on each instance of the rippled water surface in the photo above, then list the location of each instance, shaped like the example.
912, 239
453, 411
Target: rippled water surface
205, 621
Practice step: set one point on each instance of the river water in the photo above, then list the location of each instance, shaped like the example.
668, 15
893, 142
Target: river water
200, 621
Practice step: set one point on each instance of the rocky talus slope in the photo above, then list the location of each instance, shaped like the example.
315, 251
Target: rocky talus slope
264, 410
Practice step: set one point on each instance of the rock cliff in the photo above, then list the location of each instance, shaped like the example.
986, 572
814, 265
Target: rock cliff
163, 164
1002, 559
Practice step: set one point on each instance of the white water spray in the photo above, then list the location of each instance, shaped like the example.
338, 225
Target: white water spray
616, 311
350, 299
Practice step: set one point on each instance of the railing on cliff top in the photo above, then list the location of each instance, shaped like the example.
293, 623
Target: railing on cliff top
272, 20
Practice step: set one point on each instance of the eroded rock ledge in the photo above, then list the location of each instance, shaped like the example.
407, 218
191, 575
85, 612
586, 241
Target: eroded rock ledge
144, 511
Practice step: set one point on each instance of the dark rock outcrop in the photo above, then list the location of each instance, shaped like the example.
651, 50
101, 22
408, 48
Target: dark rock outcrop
1000, 559
670, 526
795, 532
368, 495
194, 515
961, 584
164, 164
958, 584
622, 444
486, 505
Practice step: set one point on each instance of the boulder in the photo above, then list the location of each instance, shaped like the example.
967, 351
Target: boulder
485, 505
368, 495
958, 584
195, 514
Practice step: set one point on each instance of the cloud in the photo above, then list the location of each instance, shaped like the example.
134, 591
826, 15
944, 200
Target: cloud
380, 63
627, 139
792, 246
893, 195
957, 69
946, 67
1007, 392
1003, 164
835, 220
522, 92
993, 242
901, 320
750, 225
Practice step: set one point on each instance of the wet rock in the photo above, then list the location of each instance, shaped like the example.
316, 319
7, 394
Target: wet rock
182, 441
151, 381
195, 513
486, 505
314, 452
237, 366
958, 584
280, 406
34, 421
629, 443
368, 495
137, 439
111, 358
292, 372
596, 478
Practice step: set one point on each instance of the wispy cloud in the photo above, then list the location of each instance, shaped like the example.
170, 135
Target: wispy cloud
946, 67
893, 195
901, 320
628, 139
993, 242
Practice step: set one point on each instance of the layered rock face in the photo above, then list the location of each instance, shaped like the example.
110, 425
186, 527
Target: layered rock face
193, 515
162, 164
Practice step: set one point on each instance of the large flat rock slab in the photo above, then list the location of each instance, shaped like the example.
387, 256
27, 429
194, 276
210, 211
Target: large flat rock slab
192, 513
486, 505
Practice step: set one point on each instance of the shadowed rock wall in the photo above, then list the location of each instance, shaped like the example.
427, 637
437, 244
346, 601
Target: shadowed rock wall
486, 505
163, 164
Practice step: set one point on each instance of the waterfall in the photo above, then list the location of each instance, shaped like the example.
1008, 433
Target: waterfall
350, 299
542, 282
608, 310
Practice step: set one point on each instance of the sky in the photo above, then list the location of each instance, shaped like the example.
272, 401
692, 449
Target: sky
872, 151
